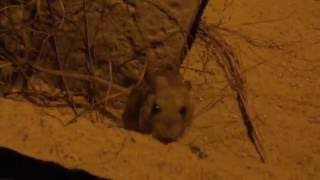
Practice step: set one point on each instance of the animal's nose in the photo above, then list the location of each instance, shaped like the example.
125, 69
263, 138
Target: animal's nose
173, 126
169, 125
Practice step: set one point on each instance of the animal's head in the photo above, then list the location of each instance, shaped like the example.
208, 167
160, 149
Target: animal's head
166, 110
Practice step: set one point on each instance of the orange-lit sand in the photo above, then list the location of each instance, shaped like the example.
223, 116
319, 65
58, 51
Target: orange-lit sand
278, 43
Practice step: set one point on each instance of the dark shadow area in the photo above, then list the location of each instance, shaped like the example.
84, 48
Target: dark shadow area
14, 165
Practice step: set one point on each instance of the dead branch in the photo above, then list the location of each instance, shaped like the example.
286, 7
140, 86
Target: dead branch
81, 77
231, 65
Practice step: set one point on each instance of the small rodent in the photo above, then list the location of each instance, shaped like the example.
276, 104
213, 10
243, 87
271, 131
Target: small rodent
160, 105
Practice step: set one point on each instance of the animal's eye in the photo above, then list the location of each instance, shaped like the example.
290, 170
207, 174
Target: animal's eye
183, 111
155, 109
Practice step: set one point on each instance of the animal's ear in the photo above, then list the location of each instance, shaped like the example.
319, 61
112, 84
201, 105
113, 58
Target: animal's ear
145, 124
148, 76
155, 81
187, 84
130, 116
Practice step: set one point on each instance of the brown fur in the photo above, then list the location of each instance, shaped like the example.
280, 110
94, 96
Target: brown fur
160, 105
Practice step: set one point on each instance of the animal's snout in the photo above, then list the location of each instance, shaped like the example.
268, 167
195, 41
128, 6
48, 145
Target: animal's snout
170, 125
168, 131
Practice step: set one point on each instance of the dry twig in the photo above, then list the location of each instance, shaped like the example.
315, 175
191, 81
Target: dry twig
231, 65
81, 77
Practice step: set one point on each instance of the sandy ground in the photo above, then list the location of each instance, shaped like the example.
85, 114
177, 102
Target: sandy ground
278, 43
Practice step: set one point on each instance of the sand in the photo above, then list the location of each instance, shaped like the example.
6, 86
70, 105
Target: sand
278, 43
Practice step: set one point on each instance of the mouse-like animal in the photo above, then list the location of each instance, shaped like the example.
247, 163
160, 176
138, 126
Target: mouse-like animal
160, 105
